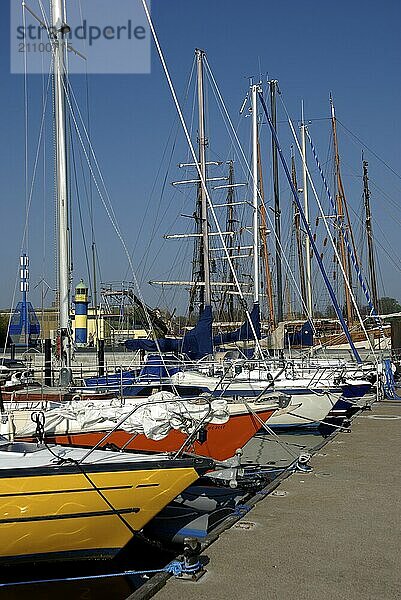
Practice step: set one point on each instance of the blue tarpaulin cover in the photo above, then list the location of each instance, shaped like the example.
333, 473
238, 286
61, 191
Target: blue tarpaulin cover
304, 337
196, 343
245, 332
24, 322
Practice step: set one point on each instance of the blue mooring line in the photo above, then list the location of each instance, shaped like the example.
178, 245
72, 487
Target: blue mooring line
175, 567
389, 385
241, 509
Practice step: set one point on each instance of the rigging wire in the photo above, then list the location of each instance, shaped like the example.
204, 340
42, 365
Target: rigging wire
175, 126
105, 198
84, 242
29, 187
106, 202
44, 231
26, 108
358, 139
376, 223
248, 170
325, 222
194, 157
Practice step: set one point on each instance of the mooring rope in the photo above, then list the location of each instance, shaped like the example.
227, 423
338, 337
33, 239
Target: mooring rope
175, 567
389, 382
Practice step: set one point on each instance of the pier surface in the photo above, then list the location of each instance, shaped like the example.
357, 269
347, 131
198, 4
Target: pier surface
331, 534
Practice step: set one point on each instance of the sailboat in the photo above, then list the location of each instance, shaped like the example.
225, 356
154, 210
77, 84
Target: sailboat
59, 503
162, 423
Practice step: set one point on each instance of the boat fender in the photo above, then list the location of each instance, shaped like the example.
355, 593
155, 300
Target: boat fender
202, 435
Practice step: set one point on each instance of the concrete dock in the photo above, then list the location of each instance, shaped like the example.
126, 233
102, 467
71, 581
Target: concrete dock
334, 533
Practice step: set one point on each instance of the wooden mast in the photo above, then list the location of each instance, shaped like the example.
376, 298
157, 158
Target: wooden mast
340, 201
277, 211
264, 246
369, 237
297, 226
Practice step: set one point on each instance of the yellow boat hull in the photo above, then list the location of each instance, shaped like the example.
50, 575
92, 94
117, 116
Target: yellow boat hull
70, 514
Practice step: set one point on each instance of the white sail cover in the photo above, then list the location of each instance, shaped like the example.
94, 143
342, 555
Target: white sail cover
153, 417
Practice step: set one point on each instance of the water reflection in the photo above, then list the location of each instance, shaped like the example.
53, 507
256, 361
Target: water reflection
280, 449
118, 588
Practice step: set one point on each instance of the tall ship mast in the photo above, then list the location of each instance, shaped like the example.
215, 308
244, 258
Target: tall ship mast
60, 29
277, 210
264, 247
297, 226
369, 238
341, 208
204, 254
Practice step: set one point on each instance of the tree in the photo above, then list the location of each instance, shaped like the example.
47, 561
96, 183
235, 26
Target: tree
330, 312
3, 330
389, 305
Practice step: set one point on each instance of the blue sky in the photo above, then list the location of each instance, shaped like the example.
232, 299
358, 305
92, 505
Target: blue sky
351, 49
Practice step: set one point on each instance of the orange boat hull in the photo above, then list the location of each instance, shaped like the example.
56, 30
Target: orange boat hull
221, 440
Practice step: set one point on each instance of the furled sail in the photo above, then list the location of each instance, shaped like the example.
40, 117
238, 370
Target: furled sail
245, 332
154, 418
196, 343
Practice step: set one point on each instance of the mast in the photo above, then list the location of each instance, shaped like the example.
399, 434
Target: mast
95, 290
369, 237
297, 225
230, 227
313, 245
277, 212
207, 297
340, 199
59, 31
24, 273
265, 250
255, 89
306, 211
